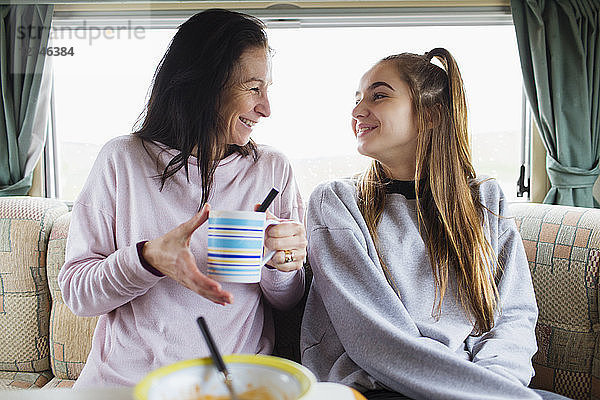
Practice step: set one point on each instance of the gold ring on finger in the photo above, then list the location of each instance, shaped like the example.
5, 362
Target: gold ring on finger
289, 256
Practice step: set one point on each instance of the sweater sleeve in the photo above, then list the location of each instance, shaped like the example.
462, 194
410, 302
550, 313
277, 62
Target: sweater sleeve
284, 290
97, 277
508, 347
374, 328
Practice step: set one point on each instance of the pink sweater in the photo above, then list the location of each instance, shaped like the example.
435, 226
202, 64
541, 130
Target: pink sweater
147, 321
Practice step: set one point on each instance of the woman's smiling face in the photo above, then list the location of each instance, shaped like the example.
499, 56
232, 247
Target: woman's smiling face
246, 101
382, 120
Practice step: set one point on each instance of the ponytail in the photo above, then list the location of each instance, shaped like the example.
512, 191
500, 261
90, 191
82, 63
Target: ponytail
457, 98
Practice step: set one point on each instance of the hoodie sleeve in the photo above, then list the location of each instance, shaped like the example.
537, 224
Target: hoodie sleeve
284, 290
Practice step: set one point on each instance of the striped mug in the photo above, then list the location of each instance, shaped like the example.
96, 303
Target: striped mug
235, 245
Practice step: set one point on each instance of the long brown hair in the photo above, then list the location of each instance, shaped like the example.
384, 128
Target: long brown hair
189, 91
450, 215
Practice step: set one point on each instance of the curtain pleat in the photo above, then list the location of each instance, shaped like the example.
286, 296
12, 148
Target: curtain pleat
559, 48
24, 33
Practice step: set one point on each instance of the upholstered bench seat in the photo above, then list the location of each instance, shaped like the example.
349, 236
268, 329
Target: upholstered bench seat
563, 250
42, 344
23, 380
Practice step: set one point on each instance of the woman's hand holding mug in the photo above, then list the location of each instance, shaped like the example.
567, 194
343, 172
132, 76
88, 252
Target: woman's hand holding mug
288, 239
170, 254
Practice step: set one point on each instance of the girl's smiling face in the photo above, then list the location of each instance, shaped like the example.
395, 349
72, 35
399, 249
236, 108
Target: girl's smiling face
382, 120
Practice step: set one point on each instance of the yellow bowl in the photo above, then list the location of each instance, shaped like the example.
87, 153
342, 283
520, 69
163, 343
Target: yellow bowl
189, 380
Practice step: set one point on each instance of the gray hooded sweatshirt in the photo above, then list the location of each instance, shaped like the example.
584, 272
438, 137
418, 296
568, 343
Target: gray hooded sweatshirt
357, 331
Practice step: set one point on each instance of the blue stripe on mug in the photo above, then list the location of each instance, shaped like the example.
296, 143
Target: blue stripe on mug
237, 234
253, 261
233, 229
229, 236
219, 255
215, 266
236, 222
234, 243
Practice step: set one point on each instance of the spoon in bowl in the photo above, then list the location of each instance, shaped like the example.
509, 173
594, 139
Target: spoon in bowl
216, 357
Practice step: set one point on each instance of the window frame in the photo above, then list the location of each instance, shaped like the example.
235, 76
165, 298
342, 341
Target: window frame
286, 16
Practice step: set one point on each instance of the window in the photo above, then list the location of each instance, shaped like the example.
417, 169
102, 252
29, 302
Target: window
101, 91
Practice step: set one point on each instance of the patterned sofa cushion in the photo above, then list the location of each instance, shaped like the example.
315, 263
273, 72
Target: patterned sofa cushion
70, 336
25, 225
59, 383
563, 250
23, 380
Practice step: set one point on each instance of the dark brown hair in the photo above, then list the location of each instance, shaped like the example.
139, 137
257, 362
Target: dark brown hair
188, 89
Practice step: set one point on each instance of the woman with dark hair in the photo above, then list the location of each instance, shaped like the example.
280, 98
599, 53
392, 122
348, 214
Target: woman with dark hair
135, 257
421, 286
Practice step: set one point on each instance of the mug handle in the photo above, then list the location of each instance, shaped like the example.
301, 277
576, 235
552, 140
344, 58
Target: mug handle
265, 259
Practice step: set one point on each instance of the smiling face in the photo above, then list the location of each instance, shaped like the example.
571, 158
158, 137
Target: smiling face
383, 120
246, 101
